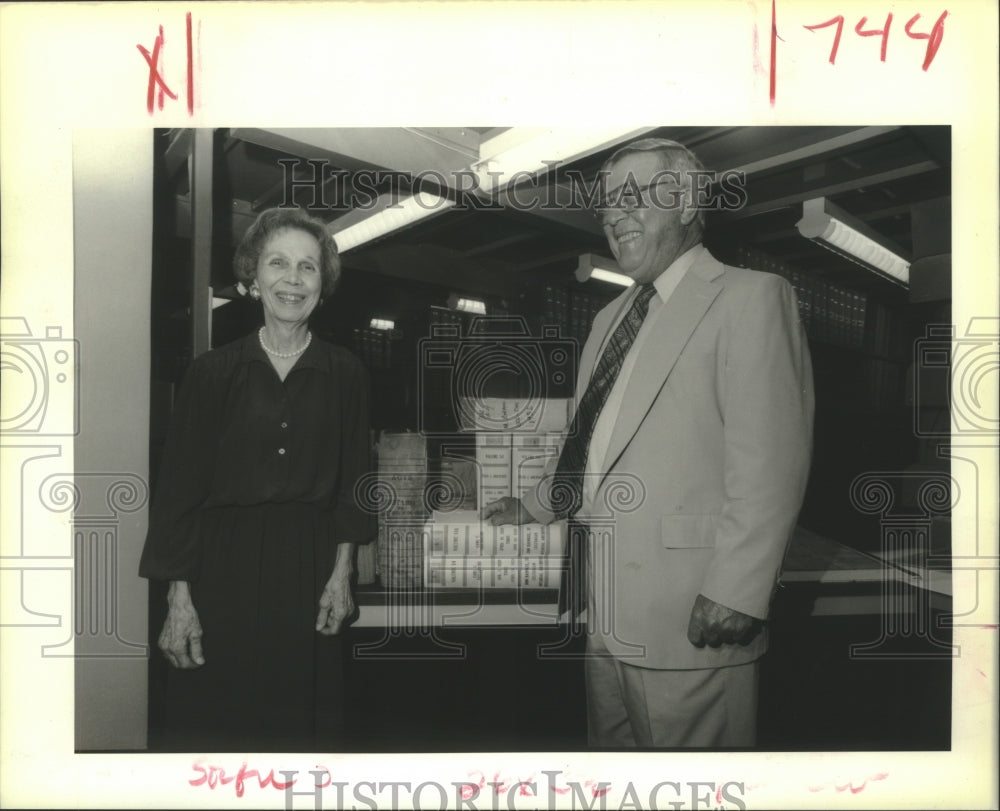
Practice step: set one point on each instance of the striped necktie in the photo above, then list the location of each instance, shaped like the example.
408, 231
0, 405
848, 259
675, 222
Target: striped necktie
567, 487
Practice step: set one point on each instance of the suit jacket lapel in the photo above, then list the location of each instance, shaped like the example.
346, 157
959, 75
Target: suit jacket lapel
674, 325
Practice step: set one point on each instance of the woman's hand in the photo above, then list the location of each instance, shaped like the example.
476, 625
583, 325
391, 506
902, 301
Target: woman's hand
180, 639
336, 603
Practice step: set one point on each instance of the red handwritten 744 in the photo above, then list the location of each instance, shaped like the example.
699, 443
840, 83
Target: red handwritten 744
933, 37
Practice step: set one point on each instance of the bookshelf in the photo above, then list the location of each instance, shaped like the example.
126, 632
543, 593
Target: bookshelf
572, 310
858, 342
861, 343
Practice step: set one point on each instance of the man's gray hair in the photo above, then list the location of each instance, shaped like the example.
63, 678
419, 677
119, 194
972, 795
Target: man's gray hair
676, 158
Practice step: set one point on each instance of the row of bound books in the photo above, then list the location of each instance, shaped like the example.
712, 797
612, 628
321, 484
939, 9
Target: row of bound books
510, 464
374, 347
453, 548
572, 311
829, 312
463, 551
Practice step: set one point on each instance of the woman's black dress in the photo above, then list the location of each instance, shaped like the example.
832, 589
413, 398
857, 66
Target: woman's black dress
256, 488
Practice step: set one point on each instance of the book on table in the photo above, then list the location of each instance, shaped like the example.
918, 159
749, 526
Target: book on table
463, 551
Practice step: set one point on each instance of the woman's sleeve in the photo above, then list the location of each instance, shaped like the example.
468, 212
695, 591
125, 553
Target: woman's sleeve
172, 550
351, 522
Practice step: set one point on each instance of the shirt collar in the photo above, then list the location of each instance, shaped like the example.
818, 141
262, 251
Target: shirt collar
668, 280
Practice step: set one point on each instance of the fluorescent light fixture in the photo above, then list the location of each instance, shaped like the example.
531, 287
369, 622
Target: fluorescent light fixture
514, 154
471, 305
358, 227
838, 231
521, 151
466, 305
602, 269
610, 276
382, 323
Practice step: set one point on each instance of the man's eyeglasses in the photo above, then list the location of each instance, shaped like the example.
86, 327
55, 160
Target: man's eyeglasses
630, 197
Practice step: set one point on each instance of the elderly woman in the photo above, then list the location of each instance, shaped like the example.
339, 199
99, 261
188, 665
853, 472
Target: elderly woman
254, 519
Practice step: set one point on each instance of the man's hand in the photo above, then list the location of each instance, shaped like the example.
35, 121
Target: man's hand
336, 603
717, 625
507, 510
180, 639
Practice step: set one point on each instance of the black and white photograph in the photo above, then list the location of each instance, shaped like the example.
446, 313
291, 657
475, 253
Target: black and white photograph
359, 459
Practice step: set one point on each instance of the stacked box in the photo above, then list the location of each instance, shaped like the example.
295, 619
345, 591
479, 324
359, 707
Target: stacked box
493, 573
460, 475
402, 472
465, 534
530, 455
463, 551
521, 415
493, 455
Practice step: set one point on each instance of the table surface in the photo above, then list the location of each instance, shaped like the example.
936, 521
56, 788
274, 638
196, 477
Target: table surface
811, 559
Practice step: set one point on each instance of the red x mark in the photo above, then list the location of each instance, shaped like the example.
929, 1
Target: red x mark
155, 79
157, 86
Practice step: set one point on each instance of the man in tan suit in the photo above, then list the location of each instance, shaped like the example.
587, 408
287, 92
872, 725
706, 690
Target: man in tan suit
704, 395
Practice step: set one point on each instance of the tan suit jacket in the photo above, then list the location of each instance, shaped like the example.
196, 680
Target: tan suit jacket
714, 439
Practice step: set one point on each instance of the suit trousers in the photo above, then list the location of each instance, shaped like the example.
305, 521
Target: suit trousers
631, 706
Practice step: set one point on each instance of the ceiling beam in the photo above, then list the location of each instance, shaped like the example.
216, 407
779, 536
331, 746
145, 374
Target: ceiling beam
553, 144
277, 190
783, 157
884, 213
776, 155
550, 259
356, 216
554, 203
241, 218
352, 148
458, 139
497, 244
830, 189
433, 153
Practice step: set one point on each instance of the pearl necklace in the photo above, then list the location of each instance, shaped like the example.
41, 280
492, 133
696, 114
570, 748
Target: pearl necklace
266, 348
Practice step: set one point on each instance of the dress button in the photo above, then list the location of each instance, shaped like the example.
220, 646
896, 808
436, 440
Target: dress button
281, 451
284, 425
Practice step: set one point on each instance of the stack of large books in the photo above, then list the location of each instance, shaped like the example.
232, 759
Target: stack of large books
402, 477
516, 440
366, 554
510, 464
465, 552
521, 415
